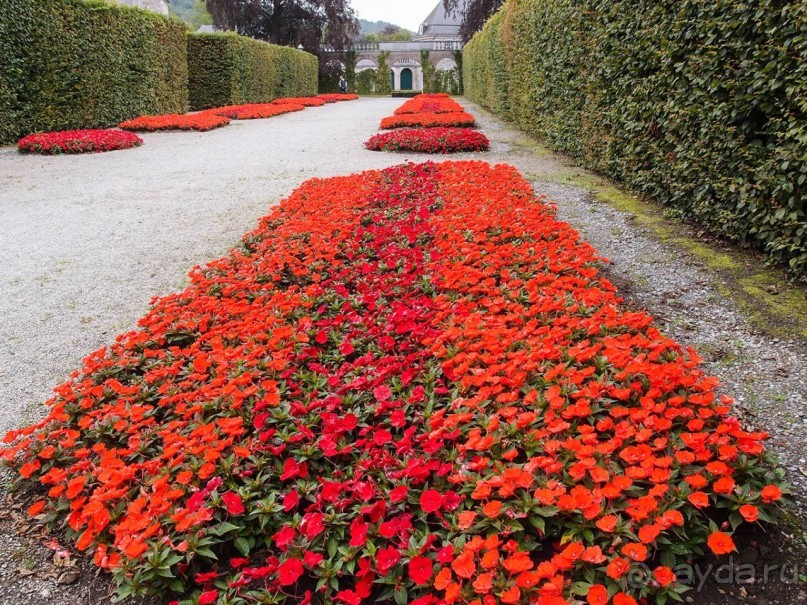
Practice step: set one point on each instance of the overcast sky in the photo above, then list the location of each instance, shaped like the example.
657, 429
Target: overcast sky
406, 13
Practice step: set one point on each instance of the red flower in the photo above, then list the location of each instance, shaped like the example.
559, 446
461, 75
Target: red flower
78, 141
429, 140
386, 558
312, 559
382, 392
431, 501
290, 571
233, 502
420, 569
291, 501
348, 597
208, 597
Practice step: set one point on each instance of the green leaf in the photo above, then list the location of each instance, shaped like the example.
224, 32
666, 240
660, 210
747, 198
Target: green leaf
401, 596
242, 545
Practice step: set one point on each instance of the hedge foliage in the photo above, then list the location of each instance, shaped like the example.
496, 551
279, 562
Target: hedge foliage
70, 64
700, 105
228, 69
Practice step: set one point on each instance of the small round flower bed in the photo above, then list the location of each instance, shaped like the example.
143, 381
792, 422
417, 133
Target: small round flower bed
336, 98
257, 111
304, 101
78, 141
429, 140
202, 121
429, 120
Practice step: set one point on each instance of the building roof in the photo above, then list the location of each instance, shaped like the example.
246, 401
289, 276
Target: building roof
441, 24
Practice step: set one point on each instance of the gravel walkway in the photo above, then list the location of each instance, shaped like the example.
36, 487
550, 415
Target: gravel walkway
88, 240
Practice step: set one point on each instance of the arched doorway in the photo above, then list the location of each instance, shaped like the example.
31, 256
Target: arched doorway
406, 79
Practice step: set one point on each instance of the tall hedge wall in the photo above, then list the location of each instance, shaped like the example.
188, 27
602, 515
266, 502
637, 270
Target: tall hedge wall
227, 69
700, 104
78, 64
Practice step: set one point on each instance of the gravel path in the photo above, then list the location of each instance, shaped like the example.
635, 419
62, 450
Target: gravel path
88, 240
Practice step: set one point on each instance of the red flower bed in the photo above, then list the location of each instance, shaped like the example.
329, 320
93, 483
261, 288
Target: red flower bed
304, 101
336, 98
410, 386
202, 121
78, 141
429, 103
429, 120
256, 111
429, 140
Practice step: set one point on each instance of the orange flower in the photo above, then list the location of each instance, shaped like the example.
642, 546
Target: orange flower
490, 559
770, 493
465, 519
597, 595
648, 533
492, 509
621, 598
749, 512
593, 554
483, 583
635, 551
607, 523
518, 562
720, 543
442, 579
511, 596
664, 575
617, 568
699, 499
36, 508
464, 565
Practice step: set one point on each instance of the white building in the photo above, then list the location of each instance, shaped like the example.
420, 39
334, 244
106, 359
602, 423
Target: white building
439, 34
155, 6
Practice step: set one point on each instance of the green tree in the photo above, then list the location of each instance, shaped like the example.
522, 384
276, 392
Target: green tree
383, 84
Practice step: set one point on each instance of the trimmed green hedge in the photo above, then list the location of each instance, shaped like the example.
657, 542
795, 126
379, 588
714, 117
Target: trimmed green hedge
228, 69
76, 64
700, 105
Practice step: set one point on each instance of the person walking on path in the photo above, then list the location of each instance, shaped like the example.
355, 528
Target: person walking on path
343, 85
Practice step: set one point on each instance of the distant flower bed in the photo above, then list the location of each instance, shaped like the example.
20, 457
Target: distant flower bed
458, 119
198, 121
429, 104
335, 98
256, 111
304, 101
78, 141
429, 140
